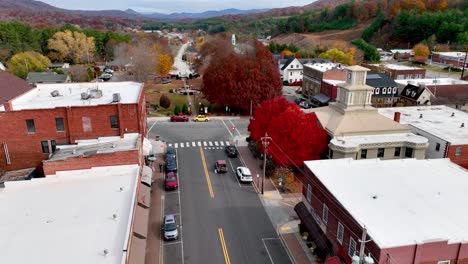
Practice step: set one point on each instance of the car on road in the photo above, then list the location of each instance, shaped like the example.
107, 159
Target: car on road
179, 118
231, 151
220, 166
105, 76
170, 227
305, 105
170, 181
244, 174
109, 71
201, 118
170, 151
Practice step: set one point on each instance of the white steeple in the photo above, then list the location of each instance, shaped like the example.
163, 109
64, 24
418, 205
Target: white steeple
233, 39
355, 94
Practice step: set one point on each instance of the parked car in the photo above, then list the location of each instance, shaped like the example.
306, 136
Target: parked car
220, 166
170, 227
170, 181
170, 151
165, 81
298, 100
231, 151
244, 174
305, 105
171, 163
179, 118
109, 71
201, 118
105, 76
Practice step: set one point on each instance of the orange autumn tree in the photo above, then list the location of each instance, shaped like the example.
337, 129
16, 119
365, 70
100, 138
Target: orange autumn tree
164, 65
421, 53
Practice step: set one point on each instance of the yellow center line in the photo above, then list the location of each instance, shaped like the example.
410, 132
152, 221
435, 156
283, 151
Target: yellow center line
223, 245
207, 176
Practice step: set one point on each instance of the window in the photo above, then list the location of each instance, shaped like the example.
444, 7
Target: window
59, 124
437, 147
380, 152
384, 90
297, 66
87, 124
394, 90
301, 73
31, 126
444, 262
400, 77
325, 214
339, 233
48, 146
352, 247
363, 153
290, 73
114, 121
397, 151
292, 66
458, 151
409, 152
309, 193
376, 90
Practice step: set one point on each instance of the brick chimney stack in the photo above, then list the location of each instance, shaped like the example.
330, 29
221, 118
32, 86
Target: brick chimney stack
396, 117
8, 106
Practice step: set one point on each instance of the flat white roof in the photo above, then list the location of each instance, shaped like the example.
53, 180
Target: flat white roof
333, 82
410, 51
429, 82
68, 217
355, 141
401, 67
401, 202
454, 54
436, 120
323, 67
70, 95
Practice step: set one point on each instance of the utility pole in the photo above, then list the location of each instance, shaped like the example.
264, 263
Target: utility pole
265, 142
464, 63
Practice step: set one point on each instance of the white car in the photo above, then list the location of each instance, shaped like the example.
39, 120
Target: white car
244, 174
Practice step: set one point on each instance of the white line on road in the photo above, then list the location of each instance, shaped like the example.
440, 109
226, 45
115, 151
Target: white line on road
216, 143
169, 145
199, 143
182, 144
176, 145
263, 240
204, 143
210, 143
193, 144
180, 216
227, 143
173, 243
161, 251
235, 175
187, 144
228, 130
149, 130
222, 143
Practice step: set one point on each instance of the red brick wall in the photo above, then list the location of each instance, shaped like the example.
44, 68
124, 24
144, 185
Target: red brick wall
428, 253
97, 160
25, 149
335, 74
329, 90
461, 160
437, 58
394, 73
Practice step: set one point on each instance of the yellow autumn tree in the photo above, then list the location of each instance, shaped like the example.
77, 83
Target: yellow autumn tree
421, 53
338, 56
164, 65
23, 63
70, 46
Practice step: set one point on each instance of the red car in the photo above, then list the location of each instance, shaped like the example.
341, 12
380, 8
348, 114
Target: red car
170, 182
179, 118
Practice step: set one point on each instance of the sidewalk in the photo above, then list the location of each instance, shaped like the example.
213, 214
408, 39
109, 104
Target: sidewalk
280, 209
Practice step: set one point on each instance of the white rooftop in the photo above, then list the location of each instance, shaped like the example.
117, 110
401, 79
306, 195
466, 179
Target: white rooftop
429, 82
323, 67
356, 141
401, 202
455, 54
410, 51
70, 95
68, 217
333, 82
401, 67
436, 120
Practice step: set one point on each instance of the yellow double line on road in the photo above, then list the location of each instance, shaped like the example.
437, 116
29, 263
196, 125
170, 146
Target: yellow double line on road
223, 245
207, 176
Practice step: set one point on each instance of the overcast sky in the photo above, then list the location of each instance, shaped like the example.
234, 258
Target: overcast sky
173, 6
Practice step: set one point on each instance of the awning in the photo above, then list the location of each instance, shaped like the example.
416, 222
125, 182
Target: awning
323, 99
147, 176
140, 224
314, 230
147, 147
144, 196
137, 251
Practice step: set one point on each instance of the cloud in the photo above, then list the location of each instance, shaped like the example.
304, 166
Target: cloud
174, 6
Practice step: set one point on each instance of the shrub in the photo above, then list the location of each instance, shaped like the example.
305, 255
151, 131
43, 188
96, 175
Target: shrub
370, 52
210, 108
165, 102
176, 110
378, 23
185, 109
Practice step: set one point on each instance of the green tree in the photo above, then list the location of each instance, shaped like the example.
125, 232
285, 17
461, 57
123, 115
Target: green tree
23, 63
338, 56
370, 52
185, 109
176, 110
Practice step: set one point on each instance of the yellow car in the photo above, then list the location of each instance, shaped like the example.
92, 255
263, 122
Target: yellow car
201, 118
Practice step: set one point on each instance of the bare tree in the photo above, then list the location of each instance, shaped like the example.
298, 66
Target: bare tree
144, 61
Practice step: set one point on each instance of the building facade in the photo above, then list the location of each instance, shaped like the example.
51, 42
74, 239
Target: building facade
444, 127
315, 73
415, 95
34, 123
343, 197
385, 89
454, 58
358, 131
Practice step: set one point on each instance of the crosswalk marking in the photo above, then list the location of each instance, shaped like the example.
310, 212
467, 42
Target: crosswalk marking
210, 143
170, 145
187, 144
193, 144
199, 143
227, 143
222, 143
216, 143
176, 145
182, 144
204, 144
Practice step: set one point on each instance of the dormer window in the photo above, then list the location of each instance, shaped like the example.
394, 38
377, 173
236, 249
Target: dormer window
376, 91
292, 66
384, 90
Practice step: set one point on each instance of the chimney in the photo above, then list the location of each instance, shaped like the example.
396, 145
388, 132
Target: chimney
396, 117
8, 106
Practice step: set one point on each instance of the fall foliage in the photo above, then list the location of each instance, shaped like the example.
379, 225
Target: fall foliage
296, 136
235, 78
70, 46
421, 52
338, 56
165, 63
23, 63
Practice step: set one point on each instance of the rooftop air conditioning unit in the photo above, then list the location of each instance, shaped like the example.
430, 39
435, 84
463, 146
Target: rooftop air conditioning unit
55, 93
116, 98
95, 93
84, 96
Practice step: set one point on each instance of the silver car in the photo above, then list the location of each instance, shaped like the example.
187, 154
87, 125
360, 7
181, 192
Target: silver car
244, 174
170, 228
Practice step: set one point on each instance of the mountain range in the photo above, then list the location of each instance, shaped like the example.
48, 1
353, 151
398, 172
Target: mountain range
206, 14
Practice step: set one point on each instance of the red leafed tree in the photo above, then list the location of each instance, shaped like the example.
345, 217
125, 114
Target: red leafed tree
264, 113
296, 137
236, 77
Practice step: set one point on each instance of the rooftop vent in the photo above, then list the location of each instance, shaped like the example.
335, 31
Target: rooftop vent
95, 93
374, 197
420, 115
55, 93
453, 114
106, 252
116, 98
84, 96
114, 216
462, 125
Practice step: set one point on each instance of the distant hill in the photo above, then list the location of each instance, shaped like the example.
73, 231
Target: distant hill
206, 14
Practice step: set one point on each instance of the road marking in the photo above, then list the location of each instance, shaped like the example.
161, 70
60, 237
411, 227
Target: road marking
207, 176
182, 144
285, 228
216, 143
223, 246
199, 144
204, 143
180, 216
170, 145
210, 143
222, 143
193, 144
227, 143
228, 130
172, 243
161, 251
149, 130
235, 127
176, 145
268, 252
267, 194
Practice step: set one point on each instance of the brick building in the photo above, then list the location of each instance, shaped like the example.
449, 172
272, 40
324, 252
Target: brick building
410, 209
34, 123
446, 129
314, 73
454, 58
398, 71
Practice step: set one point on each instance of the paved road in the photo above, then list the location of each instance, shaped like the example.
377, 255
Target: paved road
180, 65
222, 220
